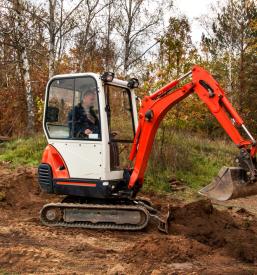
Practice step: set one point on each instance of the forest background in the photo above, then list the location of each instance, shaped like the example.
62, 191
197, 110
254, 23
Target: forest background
131, 38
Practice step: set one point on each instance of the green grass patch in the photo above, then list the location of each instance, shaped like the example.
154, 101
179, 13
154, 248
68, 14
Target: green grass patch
23, 151
190, 159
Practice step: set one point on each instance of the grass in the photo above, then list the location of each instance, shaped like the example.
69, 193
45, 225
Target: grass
189, 159
23, 151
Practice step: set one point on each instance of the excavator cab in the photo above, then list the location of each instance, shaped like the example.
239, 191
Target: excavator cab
90, 122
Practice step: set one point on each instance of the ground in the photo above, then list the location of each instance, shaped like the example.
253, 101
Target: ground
203, 239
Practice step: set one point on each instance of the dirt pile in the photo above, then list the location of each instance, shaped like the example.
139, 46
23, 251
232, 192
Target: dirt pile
196, 230
217, 229
19, 188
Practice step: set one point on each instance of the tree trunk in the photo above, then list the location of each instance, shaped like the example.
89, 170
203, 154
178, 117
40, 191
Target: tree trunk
51, 61
127, 39
28, 91
107, 52
52, 36
21, 47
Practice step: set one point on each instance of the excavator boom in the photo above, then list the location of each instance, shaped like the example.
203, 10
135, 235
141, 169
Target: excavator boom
231, 182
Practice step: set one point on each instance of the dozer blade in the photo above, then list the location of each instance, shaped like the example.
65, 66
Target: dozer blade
163, 224
230, 183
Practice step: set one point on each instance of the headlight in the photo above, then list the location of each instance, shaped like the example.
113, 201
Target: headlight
107, 76
133, 83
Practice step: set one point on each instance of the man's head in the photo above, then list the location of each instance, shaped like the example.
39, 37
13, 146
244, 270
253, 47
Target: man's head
89, 98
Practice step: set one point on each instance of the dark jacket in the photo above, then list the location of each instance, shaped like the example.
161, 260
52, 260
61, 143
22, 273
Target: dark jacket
81, 122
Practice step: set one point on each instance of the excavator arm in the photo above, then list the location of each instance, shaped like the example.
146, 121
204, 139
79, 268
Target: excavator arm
154, 108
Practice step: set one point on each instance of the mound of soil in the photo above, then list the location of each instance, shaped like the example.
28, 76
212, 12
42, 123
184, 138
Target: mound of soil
216, 229
20, 188
199, 229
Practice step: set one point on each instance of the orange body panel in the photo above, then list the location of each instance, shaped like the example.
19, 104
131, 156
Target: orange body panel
88, 184
52, 157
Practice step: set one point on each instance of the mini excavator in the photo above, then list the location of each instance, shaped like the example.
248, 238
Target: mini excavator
101, 170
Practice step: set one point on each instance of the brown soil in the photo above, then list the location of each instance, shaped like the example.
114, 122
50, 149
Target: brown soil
202, 239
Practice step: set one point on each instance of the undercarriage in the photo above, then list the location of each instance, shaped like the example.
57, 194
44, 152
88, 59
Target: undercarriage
129, 215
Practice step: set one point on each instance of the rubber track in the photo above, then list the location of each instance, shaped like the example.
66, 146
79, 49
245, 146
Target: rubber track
110, 226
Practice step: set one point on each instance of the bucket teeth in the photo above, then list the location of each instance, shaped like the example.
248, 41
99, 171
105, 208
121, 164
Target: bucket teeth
230, 183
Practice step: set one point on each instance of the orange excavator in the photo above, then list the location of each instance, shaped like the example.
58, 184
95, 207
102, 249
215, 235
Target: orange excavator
89, 119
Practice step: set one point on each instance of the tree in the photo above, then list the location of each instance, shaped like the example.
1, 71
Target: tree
176, 48
59, 24
109, 45
135, 24
233, 43
16, 35
85, 38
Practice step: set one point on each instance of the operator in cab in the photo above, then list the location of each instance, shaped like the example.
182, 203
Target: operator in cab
85, 121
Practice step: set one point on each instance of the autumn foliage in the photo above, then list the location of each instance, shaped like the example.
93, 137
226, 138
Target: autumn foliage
39, 41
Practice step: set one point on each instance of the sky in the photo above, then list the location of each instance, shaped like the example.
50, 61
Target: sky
193, 9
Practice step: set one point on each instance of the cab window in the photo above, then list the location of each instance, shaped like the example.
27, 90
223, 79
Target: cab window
120, 117
72, 109
120, 124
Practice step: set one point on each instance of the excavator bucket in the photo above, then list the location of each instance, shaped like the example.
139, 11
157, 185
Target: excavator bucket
230, 183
